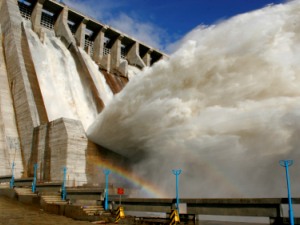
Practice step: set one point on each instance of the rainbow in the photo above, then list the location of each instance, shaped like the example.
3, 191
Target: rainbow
148, 188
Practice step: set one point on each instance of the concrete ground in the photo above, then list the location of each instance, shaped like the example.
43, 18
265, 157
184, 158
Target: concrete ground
13, 212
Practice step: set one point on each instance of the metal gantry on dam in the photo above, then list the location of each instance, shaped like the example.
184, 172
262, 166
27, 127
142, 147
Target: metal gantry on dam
98, 39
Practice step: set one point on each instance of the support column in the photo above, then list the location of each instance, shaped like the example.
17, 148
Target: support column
133, 56
116, 53
118, 66
25, 107
62, 29
99, 45
80, 34
36, 17
9, 139
147, 58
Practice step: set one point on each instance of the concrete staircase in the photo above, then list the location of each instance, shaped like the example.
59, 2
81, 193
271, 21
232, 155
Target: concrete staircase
24, 191
93, 210
4, 185
53, 199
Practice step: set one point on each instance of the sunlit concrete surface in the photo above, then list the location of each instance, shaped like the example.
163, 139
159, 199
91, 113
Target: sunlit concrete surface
13, 212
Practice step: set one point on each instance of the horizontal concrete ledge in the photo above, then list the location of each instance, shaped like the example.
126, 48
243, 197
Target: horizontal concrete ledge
45, 188
261, 207
245, 201
30, 179
48, 185
23, 182
5, 179
84, 190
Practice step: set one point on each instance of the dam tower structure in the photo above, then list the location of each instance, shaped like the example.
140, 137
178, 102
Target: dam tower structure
58, 69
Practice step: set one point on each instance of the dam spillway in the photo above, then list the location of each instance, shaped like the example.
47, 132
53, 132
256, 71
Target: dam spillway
59, 68
224, 107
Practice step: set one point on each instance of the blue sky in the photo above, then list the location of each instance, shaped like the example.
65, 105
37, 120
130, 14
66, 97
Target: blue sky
160, 23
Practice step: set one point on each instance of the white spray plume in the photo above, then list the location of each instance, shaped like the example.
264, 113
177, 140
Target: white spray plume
225, 108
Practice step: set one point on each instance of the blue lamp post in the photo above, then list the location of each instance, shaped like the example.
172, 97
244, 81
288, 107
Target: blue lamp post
177, 173
286, 164
106, 173
64, 191
33, 187
12, 180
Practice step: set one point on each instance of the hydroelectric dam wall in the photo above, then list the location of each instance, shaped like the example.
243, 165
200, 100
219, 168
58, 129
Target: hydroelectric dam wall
58, 70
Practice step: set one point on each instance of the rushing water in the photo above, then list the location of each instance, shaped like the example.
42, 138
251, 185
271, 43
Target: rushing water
225, 108
64, 94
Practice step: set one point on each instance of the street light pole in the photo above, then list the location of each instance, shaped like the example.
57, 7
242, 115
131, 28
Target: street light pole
64, 191
106, 173
12, 180
177, 173
286, 164
34, 178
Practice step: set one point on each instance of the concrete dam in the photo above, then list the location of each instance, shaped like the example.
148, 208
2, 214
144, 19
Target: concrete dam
59, 69
224, 108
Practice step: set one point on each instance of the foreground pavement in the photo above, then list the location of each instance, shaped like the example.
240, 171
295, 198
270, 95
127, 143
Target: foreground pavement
13, 212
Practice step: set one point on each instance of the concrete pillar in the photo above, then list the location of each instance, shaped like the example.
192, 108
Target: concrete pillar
104, 63
88, 49
62, 29
26, 113
36, 17
99, 45
9, 139
116, 54
71, 154
53, 150
147, 58
133, 56
80, 34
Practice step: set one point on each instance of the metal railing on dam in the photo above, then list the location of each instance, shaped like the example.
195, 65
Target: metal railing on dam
88, 32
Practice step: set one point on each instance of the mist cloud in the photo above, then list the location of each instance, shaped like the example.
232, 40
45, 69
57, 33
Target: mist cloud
225, 108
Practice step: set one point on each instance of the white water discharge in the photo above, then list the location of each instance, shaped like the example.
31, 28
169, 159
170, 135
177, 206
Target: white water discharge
225, 108
132, 72
103, 89
63, 92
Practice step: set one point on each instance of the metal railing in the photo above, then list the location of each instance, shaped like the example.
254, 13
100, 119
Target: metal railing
89, 44
123, 53
47, 21
25, 10
72, 28
106, 51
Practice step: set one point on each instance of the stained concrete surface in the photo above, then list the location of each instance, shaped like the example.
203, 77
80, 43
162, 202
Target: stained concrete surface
13, 212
